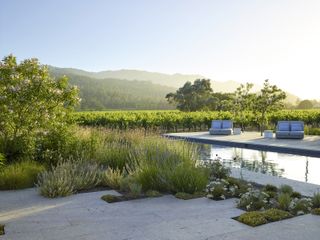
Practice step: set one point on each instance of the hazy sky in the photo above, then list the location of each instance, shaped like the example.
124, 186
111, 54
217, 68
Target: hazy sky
242, 40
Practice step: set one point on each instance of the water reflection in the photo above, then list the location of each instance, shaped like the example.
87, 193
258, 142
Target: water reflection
295, 167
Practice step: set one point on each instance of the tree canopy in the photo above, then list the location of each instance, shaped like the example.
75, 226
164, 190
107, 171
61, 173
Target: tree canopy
269, 99
198, 96
305, 104
30, 102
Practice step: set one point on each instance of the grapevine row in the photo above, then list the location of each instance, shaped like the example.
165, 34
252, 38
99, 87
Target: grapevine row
184, 121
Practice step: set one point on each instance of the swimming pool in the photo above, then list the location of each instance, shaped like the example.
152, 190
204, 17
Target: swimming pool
296, 167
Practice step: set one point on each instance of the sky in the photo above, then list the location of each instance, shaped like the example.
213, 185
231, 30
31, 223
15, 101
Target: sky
245, 41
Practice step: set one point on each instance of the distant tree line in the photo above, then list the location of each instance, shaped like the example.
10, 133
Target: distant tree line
200, 96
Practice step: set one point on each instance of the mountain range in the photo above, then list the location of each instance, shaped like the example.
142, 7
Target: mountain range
135, 89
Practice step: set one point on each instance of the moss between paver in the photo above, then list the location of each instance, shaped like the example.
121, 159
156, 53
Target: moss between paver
1, 229
109, 198
188, 196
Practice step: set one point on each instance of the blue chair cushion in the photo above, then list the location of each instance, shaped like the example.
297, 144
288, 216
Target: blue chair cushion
216, 124
296, 127
284, 126
226, 124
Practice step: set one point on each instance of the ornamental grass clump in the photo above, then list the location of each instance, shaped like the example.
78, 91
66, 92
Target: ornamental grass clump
20, 175
161, 165
115, 155
135, 190
286, 189
69, 177
188, 179
284, 201
316, 200
1, 229
316, 211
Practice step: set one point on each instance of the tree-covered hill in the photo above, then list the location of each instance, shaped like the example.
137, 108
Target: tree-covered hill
136, 89
102, 94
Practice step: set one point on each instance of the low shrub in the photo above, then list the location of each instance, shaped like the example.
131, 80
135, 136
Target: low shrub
253, 219
69, 177
87, 175
300, 206
312, 131
20, 175
253, 200
111, 198
153, 193
284, 201
296, 195
2, 229
188, 179
216, 190
286, 189
112, 178
315, 211
270, 188
316, 200
273, 214
271, 194
217, 170
240, 188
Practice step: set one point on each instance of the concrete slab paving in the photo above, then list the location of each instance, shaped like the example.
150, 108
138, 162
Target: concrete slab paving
306, 189
29, 216
309, 146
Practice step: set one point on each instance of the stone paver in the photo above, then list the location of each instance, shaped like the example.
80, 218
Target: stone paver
84, 216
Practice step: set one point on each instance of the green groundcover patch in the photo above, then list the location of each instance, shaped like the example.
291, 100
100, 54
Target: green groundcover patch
109, 198
188, 196
257, 218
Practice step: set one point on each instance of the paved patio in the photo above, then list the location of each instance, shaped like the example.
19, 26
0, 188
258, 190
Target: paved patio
29, 216
309, 146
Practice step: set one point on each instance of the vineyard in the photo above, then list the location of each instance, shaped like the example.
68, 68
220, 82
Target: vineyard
166, 121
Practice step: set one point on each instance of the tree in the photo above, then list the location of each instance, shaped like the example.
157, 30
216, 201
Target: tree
192, 97
269, 99
31, 102
305, 104
242, 101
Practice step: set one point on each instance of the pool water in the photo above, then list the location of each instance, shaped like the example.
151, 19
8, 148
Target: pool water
296, 167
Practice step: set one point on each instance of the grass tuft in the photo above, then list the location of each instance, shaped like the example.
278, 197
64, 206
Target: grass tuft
20, 175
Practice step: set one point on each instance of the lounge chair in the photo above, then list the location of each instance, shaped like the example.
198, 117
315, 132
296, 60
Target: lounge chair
290, 130
221, 127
